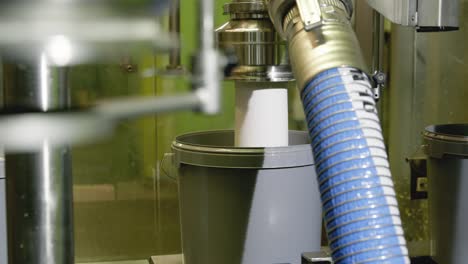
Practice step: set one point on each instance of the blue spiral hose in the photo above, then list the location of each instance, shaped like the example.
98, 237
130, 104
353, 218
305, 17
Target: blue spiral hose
359, 202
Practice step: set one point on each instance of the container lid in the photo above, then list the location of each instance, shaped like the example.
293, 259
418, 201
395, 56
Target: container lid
216, 149
446, 140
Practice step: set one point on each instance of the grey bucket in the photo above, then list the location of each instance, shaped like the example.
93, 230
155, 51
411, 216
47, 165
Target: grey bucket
246, 205
447, 148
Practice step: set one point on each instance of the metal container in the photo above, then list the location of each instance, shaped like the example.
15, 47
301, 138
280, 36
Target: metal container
250, 35
447, 148
246, 205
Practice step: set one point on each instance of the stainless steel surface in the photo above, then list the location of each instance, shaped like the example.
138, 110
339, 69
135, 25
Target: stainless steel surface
333, 44
251, 36
39, 184
254, 41
447, 148
425, 15
251, 9
280, 73
402, 12
239, 206
47, 82
40, 218
439, 14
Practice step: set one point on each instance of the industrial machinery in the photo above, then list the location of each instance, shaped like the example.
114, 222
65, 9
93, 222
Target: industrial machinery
426, 16
257, 194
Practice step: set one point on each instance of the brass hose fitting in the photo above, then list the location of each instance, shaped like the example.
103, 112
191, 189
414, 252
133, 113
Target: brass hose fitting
318, 45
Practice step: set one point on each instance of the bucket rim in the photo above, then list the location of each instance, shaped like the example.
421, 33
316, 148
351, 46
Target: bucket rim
446, 140
442, 132
179, 143
222, 156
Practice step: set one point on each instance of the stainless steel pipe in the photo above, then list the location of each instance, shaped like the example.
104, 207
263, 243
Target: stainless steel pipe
39, 185
251, 37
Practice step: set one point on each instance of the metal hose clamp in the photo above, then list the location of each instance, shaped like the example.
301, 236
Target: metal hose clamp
330, 42
311, 13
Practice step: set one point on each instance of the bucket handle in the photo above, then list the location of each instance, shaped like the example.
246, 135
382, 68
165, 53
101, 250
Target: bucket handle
164, 161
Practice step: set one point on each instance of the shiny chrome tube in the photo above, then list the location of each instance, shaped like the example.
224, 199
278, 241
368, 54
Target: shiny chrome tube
39, 185
250, 35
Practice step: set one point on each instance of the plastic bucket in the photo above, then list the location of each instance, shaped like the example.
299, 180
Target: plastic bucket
246, 205
447, 148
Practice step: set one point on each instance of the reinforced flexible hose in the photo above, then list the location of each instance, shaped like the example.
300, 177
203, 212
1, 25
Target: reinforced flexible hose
359, 202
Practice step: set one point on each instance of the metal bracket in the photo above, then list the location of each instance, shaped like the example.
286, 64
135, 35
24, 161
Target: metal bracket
424, 15
418, 170
379, 79
311, 13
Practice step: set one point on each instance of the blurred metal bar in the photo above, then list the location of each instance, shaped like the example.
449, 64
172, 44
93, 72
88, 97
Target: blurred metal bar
209, 65
68, 128
127, 108
378, 41
77, 42
39, 185
206, 24
1, 83
3, 227
174, 29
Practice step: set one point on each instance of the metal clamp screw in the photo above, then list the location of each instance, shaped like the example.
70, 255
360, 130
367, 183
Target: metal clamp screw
380, 80
311, 13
